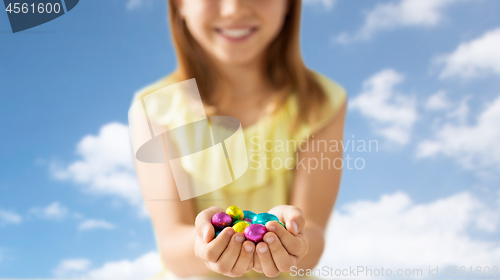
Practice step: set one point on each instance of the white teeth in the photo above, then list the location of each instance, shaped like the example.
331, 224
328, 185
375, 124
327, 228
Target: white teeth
235, 33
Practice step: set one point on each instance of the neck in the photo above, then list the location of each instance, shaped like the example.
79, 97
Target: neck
241, 81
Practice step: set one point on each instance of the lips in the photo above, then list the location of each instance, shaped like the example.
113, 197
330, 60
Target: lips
236, 34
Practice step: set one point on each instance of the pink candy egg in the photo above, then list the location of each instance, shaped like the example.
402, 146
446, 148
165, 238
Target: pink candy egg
255, 232
221, 220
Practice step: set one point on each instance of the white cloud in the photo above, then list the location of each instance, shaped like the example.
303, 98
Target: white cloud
475, 58
395, 232
398, 14
461, 112
327, 4
9, 217
146, 265
71, 268
475, 147
91, 224
54, 211
105, 166
391, 113
392, 232
438, 101
136, 4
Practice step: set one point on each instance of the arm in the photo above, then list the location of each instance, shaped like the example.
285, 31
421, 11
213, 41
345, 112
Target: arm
172, 219
314, 195
189, 249
316, 192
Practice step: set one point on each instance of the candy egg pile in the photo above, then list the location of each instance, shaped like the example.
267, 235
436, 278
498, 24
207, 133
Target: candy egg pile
252, 225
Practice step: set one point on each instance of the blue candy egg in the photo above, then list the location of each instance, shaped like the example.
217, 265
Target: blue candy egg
263, 218
248, 214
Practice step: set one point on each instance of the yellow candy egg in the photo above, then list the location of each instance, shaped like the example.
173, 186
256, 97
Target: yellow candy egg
235, 212
240, 226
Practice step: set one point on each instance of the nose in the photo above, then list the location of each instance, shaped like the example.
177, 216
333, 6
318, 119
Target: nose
233, 8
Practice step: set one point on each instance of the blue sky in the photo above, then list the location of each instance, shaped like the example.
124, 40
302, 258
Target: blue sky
422, 79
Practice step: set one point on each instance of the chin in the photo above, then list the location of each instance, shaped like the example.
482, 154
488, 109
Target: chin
237, 59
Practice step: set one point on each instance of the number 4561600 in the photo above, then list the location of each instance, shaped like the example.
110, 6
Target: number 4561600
472, 271
40, 8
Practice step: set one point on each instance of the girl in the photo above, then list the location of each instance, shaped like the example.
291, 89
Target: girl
245, 57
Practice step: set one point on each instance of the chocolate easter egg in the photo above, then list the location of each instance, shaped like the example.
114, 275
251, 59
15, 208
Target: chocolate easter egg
255, 232
221, 220
263, 218
235, 222
248, 214
240, 226
248, 220
235, 212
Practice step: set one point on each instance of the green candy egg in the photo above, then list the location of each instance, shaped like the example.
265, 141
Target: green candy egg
235, 212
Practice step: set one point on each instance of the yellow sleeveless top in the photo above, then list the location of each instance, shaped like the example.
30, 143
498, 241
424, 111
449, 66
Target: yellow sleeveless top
271, 154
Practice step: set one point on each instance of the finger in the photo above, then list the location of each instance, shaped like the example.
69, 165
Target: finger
278, 211
250, 265
203, 223
294, 219
282, 259
266, 260
216, 247
291, 243
199, 247
256, 262
228, 258
244, 259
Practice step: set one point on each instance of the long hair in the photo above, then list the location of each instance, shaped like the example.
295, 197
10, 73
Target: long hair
283, 64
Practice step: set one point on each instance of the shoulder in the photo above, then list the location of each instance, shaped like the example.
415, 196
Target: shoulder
335, 92
158, 84
332, 115
336, 97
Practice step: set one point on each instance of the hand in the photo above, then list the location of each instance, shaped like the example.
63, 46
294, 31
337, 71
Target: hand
282, 248
229, 253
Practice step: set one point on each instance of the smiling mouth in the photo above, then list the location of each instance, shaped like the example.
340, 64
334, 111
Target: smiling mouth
236, 34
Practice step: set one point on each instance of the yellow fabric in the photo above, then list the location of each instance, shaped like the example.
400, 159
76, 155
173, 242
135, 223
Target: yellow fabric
260, 189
